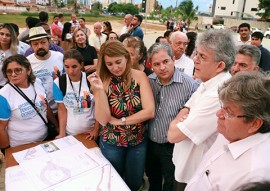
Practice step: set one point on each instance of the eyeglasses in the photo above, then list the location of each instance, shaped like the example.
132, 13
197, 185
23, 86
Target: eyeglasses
17, 71
228, 115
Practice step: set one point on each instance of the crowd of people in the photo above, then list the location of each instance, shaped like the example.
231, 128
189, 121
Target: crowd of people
192, 113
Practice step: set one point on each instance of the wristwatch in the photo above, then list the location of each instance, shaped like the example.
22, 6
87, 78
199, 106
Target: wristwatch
123, 119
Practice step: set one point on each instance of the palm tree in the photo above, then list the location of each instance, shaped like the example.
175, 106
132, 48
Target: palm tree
187, 11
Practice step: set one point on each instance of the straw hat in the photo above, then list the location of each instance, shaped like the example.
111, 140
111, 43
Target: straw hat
37, 33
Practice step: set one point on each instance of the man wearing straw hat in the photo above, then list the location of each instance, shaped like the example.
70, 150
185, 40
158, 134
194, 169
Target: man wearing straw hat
46, 64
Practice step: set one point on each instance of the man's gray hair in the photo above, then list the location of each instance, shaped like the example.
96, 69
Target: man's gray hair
250, 90
252, 51
155, 48
174, 34
222, 43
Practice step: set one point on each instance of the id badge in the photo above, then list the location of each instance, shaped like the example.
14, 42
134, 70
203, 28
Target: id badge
78, 111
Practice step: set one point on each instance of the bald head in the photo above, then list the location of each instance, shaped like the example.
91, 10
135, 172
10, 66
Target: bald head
128, 19
97, 28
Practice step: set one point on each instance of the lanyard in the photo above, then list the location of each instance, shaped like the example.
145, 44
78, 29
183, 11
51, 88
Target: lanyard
77, 97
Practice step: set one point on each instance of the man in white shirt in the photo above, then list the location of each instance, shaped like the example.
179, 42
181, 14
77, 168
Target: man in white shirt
194, 129
241, 152
179, 43
46, 64
128, 19
61, 20
74, 21
244, 32
97, 38
247, 59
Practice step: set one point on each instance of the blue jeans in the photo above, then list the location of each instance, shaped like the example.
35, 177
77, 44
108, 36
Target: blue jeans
128, 161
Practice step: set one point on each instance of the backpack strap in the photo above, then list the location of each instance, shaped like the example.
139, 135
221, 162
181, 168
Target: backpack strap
88, 83
63, 83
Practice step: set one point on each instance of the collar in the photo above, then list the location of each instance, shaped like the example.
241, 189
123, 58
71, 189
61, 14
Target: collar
239, 40
240, 147
213, 82
177, 77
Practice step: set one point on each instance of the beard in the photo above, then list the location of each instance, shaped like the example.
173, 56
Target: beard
42, 52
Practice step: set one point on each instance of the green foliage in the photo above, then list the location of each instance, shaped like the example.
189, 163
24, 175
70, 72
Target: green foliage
187, 11
97, 6
264, 4
123, 8
166, 14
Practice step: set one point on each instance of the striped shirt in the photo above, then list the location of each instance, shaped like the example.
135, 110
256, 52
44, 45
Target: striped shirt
169, 100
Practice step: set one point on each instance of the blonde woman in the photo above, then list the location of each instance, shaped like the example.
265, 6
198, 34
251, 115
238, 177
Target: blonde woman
124, 102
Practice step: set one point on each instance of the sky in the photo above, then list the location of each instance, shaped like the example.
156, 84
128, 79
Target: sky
203, 4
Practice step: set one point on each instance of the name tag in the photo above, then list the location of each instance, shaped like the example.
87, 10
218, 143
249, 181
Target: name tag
78, 111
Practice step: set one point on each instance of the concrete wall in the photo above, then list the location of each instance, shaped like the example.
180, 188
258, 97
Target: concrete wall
202, 21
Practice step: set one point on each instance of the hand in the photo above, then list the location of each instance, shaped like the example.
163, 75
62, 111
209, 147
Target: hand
182, 118
92, 135
59, 136
95, 81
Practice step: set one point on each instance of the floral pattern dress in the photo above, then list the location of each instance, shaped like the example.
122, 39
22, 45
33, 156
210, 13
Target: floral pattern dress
123, 104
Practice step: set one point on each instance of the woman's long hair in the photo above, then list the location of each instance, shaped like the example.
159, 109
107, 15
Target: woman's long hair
13, 38
66, 30
113, 48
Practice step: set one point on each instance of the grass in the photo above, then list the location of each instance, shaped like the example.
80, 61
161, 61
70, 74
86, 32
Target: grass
19, 19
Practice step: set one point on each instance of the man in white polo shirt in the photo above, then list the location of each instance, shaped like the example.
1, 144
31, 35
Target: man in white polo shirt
179, 43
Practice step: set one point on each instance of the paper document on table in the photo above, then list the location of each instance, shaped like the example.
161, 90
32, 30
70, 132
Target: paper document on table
59, 166
59, 176
45, 148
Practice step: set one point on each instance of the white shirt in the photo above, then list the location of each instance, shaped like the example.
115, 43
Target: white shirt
46, 71
185, 64
124, 30
4, 55
227, 166
96, 41
199, 127
24, 124
86, 103
239, 42
23, 47
60, 25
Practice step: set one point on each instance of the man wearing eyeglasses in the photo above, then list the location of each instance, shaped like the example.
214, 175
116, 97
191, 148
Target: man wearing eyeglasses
247, 59
179, 41
171, 89
194, 129
241, 152
46, 64
244, 32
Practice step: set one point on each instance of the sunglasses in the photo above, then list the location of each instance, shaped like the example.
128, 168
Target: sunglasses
17, 71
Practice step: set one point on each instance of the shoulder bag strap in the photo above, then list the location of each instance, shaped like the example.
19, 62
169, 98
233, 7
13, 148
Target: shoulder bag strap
28, 100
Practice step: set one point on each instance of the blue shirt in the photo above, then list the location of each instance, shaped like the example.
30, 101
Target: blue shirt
137, 31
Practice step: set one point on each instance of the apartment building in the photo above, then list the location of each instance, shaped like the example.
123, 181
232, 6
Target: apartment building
235, 8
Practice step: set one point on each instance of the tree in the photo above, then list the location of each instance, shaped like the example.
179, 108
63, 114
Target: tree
123, 8
264, 4
187, 11
97, 6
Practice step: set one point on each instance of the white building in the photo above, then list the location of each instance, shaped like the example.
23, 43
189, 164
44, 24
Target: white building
125, 1
42, 2
236, 8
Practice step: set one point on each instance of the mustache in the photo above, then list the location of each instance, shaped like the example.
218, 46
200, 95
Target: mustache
41, 49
